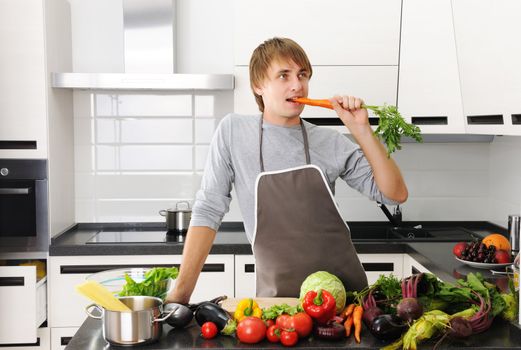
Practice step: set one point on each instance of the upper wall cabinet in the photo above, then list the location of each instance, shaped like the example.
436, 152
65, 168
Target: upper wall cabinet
333, 32
489, 55
429, 91
23, 118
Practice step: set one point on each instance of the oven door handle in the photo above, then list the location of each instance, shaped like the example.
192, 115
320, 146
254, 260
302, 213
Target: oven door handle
6, 191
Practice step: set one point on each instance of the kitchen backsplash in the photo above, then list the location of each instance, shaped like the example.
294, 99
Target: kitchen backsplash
139, 153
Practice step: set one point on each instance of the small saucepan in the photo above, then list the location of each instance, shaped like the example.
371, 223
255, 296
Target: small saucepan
178, 218
140, 326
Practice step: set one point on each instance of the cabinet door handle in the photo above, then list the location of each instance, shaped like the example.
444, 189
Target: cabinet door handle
378, 266
249, 268
6, 191
65, 340
90, 269
21, 345
12, 281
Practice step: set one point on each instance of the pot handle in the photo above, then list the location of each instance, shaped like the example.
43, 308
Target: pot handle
161, 319
163, 212
185, 202
87, 310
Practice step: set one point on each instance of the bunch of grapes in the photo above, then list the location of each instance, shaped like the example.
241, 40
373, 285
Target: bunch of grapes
478, 252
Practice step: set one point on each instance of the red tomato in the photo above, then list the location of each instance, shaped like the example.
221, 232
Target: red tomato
301, 322
288, 338
209, 330
284, 321
269, 323
251, 330
273, 334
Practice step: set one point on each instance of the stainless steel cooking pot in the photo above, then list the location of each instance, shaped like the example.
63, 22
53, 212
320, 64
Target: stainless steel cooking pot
142, 325
178, 218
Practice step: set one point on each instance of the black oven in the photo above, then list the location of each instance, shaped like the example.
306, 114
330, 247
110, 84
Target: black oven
23, 205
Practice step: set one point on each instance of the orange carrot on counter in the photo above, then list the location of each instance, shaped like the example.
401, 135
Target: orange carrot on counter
348, 324
357, 321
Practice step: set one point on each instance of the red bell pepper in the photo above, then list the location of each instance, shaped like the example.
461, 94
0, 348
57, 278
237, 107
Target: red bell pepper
320, 306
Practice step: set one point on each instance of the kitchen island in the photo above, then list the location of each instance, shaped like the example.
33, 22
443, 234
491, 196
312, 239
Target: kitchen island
433, 255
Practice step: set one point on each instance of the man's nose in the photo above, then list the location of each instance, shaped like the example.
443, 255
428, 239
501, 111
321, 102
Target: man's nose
296, 83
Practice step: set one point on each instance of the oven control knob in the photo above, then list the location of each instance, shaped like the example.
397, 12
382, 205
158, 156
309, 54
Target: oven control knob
4, 171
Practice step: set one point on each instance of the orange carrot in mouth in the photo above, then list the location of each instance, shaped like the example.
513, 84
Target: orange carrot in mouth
312, 102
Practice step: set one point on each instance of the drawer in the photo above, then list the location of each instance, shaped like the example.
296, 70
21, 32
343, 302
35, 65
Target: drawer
23, 301
244, 276
42, 342
60, 337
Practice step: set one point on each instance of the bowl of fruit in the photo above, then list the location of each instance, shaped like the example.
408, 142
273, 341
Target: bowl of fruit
491, 252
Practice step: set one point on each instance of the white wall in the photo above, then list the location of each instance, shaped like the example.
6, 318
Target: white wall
504, 187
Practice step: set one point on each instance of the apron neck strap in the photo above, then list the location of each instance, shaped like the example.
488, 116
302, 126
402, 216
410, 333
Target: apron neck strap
304, 137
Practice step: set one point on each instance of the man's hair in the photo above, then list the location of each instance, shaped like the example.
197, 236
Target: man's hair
266, 53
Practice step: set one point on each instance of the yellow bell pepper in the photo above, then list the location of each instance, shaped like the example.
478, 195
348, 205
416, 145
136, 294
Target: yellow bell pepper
247, 307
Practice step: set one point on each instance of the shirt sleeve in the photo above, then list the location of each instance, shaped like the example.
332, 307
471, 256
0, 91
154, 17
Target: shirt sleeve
212, 201
357, 172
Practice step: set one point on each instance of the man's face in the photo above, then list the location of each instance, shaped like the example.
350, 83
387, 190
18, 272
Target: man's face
284, 80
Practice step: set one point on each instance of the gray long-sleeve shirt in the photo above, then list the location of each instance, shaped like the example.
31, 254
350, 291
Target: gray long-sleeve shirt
233, 160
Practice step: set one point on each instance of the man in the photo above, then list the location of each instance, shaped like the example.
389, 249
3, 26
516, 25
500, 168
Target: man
284, 170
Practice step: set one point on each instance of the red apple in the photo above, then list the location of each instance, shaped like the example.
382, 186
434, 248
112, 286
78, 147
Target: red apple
458, 248
502, 256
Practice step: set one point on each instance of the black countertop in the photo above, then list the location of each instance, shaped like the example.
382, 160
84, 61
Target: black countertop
501, 335
436, 256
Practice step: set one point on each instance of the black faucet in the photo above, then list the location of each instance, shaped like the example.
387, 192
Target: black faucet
396, 218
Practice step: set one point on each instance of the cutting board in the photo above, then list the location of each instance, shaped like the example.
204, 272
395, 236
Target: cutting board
230, 304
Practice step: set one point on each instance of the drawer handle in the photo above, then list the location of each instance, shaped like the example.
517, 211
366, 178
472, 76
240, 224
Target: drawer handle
6, 191
12, 281
65, 340
494, 119
516, 119
249, 268
378, 266
434, 120
90, 269
17, 144
21, 344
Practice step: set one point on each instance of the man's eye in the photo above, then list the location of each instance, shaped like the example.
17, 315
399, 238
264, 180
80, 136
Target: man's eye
283, 76
303, 75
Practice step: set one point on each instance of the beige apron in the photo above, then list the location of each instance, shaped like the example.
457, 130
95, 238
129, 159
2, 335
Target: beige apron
299, 230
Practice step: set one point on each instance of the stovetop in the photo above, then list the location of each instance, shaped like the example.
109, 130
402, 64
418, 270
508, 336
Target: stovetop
126, 237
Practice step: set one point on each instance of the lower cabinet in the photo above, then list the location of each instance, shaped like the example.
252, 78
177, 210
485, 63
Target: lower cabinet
411, 266
23, 305
68, 307
244, 276
374, 265
381, 264
42, 341
60, 337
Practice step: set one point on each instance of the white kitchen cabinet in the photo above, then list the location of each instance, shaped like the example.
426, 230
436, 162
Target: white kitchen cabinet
375, 85
374, 265
60, 337
23, 82
67, 306
411, 266
42, 342
332, 32
381, 264
23, 304
429, 90
244, 276
489, 52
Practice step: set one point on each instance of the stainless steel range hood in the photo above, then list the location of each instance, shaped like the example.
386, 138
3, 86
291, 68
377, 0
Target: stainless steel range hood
150, 51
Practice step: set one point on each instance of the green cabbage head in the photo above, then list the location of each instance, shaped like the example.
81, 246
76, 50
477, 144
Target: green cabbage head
510, 311
327, 281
